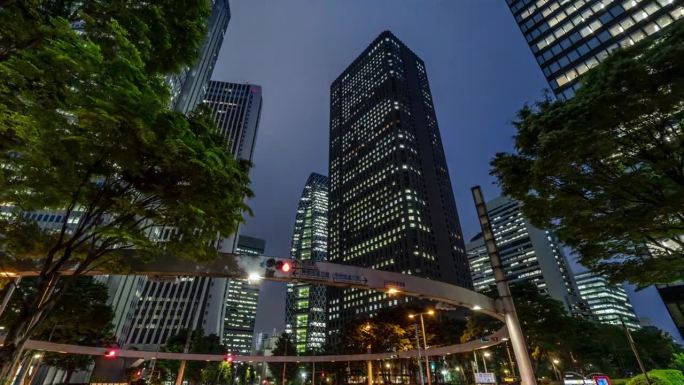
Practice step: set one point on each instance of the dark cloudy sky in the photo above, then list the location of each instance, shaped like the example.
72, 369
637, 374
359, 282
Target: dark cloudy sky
480, 70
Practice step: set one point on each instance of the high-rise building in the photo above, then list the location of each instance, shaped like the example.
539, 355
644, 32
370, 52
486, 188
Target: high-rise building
528, 254
189, 85
673, 297
241, 301
608, 303
305, 304
569, 37
237, 108
199, 302
391, 202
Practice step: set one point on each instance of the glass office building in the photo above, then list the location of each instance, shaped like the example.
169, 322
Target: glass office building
305, 304
608, 303
391, 201
528, 254
571, 36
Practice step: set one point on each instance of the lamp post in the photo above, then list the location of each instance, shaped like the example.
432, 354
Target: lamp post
484, 356
422, 326
369, 364
555, 362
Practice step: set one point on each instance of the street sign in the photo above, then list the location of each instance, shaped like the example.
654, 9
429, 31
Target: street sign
485, 378
602, 380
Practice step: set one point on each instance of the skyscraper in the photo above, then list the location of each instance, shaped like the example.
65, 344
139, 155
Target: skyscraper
305, 304
569, 37
528, 254
237, 108
199, 302
241, 299
189, 85
673, 297
391, 202
607, 303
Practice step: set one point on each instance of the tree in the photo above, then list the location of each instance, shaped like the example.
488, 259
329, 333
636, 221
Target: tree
196, 372
86, 135
604, 169
283, 347
80, 317
581, 345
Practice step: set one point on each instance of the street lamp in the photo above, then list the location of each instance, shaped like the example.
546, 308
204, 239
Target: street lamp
555, 362
485, 355
422, 326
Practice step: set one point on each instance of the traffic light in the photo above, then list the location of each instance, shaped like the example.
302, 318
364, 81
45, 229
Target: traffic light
228, 358
282, 266
111, 353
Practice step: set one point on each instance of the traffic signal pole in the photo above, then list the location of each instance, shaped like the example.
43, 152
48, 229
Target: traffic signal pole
527, 376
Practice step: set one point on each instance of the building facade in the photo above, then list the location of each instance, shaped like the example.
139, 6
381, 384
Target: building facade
673, 297
608, 303
200, 302
241, 301
391, 201
190, 84
305, 304
568, 38
528, 254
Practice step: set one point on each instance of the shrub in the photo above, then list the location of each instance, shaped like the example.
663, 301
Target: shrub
659, 377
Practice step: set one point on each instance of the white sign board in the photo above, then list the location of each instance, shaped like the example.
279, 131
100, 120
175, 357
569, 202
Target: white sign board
485, 378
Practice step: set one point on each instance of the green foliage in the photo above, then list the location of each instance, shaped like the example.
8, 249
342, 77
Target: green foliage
677, 362
85, 133
604, 169
195, 371
80, 317
659, 377
283, 347
581, 345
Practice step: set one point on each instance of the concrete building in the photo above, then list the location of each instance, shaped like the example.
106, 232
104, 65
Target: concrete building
241, 301
190, 84
528, 254
608, 303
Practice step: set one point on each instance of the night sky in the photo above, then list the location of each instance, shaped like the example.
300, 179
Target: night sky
480, 71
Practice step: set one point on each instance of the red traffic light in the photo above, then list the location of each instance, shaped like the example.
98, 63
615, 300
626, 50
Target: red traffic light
111, 353
286, 267
228, 358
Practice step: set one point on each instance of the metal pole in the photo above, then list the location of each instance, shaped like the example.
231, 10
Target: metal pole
313, 373
484, 362
369, 367
285, 363
477, 367
11, 286
420, 367
634, 350
527, 376
427, 358
510, 359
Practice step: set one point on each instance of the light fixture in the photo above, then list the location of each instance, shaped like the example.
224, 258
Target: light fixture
477, 307
392, 290
253, 277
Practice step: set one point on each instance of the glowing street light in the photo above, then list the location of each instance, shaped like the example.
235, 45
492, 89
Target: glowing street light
477, 307
254, 277
422, 325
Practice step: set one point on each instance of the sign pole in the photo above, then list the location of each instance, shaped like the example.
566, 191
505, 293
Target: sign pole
511, 317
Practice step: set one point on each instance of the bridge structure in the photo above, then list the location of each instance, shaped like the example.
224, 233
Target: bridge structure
323, 273
329, 274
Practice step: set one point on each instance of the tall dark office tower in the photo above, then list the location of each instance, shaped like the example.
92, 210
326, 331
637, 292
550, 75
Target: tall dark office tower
305, 304
391, 203
569, 37
189, 85
673, 297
